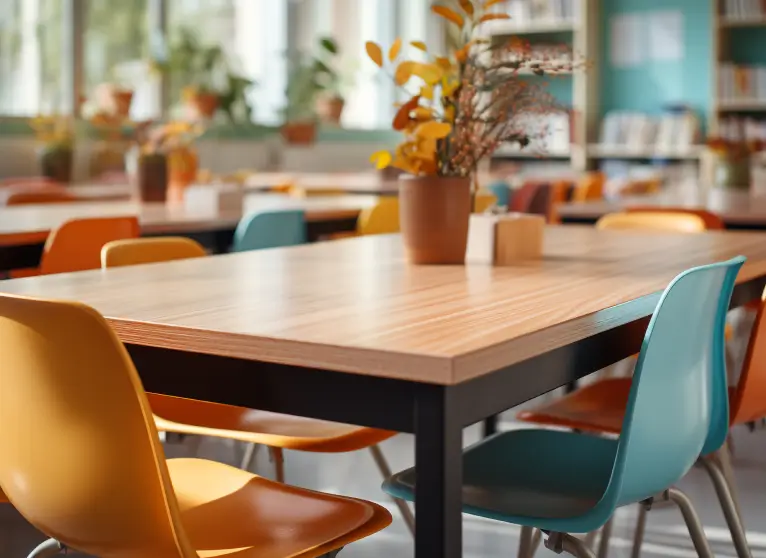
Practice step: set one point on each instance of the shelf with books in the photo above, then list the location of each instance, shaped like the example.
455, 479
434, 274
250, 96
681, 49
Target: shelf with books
733, 23
510, 27
605, 151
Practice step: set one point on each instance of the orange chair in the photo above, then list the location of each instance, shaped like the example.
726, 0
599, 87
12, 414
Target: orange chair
201, 418
713, 222
561, 191
40, 196
69, 385
382, 218
483, 200
76, 245
590, 187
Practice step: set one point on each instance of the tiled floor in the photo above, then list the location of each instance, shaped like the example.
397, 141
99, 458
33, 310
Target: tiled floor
356, 475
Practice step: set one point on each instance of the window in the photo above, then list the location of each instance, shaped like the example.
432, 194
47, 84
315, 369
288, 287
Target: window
32, 57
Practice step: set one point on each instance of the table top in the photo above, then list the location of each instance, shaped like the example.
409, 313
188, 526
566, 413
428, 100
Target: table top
358, 183
734, 207
356, 305
32, 223
86, 192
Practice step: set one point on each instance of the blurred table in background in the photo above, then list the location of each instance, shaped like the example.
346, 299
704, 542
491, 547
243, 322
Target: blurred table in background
24, 229
360, 183
738, 209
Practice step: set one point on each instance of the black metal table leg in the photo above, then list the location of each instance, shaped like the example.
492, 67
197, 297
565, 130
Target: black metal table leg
490, 426
439, 465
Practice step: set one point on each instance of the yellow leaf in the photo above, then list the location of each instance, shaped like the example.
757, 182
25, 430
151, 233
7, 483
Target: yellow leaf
467, 7
424, 114
444, 63
381, 159
433, 130
374, 52
402, 116
489, 3
404, 72
427, 92
449, 15
420, 45
395, 49
490, 17
430, 73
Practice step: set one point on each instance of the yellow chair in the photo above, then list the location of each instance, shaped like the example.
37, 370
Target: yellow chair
483, 201
96, 480
382, 218
150, 250
649, 221
202, 418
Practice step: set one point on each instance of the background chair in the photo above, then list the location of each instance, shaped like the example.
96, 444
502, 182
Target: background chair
69, 384
712, 221
278, 432
270, 229
483, 201
567, 482
502, 192
589, 187
382, 218
136, 251
652, 221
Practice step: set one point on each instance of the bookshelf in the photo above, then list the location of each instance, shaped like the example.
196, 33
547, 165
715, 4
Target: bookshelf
572, 22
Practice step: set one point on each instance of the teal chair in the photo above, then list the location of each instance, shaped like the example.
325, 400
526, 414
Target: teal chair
566, 482
270, 229
502, 192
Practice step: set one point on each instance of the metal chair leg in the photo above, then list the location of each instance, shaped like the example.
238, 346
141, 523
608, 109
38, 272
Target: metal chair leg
331, 554
385, 470
606, 535
49, 548
693, 523
247, 460
278, 456
638, 537
563, 542
526, 541
730, 512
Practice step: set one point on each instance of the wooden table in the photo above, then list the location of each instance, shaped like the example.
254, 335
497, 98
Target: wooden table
85, 192
351, 183
347, 331
23, 229
739, 210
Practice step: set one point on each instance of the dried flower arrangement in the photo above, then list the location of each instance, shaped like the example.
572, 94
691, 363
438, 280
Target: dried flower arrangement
164, 138
468, 103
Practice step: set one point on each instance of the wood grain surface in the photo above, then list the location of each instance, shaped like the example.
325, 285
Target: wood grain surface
356, 305
32, 223
734, 207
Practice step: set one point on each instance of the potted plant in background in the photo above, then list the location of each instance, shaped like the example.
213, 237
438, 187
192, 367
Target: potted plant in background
56, 154
460, 108
330, 101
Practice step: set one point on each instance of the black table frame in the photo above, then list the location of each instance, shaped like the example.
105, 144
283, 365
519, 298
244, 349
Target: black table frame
435, 414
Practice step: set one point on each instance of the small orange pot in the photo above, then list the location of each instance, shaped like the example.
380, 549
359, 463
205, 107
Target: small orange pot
330, 109
183, 164
204, 104
121, 101
433, 213
299, 133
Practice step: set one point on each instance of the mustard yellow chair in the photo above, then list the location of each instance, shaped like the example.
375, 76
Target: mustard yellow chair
201, 418
69, 385
649, 221
382, 218
483, 201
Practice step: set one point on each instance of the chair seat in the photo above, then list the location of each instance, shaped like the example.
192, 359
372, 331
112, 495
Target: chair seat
201, 418
598, 407
542, 478
229, 512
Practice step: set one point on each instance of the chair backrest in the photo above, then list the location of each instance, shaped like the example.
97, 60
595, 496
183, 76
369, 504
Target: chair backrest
749, 401
95, 476
713, 222
523, 198
382, 218
40, 196
134, 251
270, 229
560, 193
589, 187
648, 221
502, 192
483, 201
76, 245
678, 403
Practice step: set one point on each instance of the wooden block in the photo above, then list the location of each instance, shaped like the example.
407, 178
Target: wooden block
504, 239
213, 197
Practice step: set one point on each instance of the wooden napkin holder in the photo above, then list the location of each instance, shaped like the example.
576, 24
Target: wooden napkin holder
505, 239
214, 197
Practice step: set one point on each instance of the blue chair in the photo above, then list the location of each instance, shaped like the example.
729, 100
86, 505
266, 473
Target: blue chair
502, 192
566, 482
270, 229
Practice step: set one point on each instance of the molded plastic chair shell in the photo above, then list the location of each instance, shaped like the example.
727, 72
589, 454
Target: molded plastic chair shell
95, 477
589, 187
713, 222
483, 201
76, 245
382, 218
651, 221
134, 251
748, 402
270, 229
677, 410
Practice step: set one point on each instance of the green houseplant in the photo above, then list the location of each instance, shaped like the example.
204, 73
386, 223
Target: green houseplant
56, 154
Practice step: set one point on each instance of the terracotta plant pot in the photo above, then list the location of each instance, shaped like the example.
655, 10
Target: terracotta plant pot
121, 101
151, 179
57, 162
330, 109
434, 212
183, 164
204, 104
299, 133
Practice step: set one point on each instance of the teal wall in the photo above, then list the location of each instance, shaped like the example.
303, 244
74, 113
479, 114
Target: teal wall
652, 85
